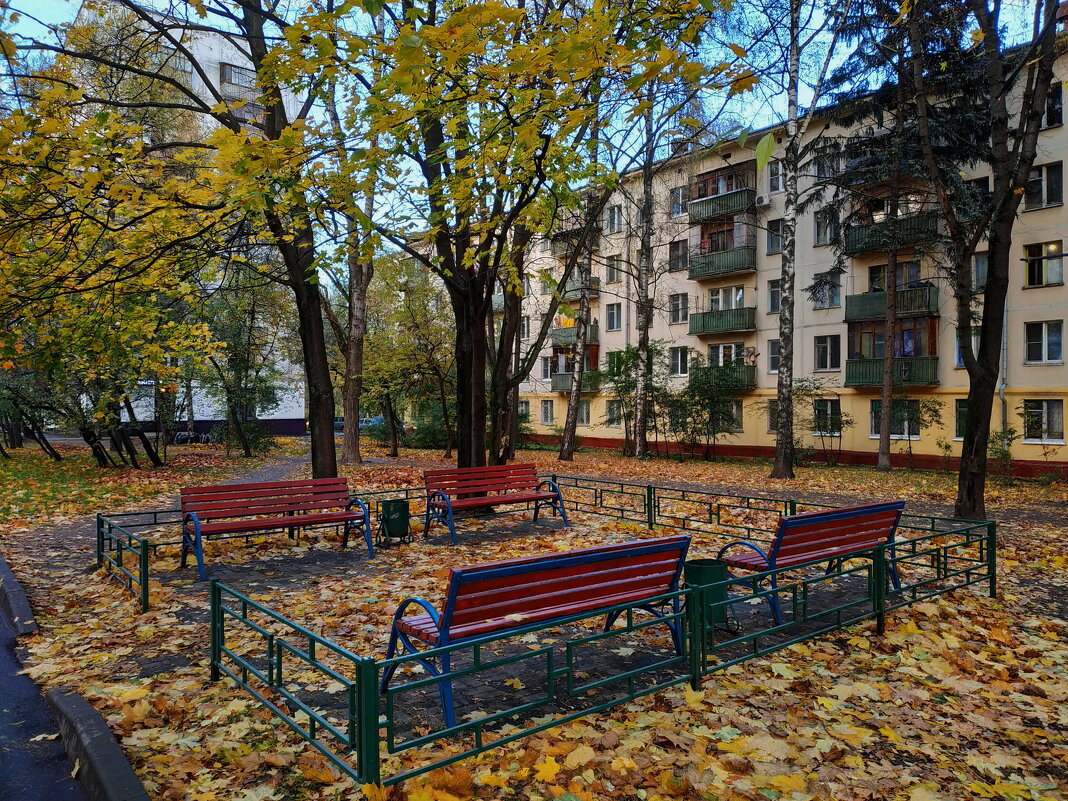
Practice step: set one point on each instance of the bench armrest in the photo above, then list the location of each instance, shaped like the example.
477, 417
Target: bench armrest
427, 607
362, 505
750, 546
552, 485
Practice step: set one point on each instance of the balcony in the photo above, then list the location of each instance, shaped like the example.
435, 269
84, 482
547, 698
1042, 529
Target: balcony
725, 262
728, 377
561, 382
716, 322
573, 288
919, 302
563, 337
716, 206
917, 371
891, 234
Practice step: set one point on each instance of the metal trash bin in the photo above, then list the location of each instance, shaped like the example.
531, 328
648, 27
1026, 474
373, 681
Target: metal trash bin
700, 572
394, 523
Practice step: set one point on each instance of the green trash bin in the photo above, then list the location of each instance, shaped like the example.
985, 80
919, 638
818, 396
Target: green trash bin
699, 572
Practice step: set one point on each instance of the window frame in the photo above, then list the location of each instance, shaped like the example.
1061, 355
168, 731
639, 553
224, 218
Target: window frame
775, 296
825, 219
1042, 262
678, 310
774, 353
834, 299
613, 270
876, 403
1045, 406
550, 405
774, 237
833, 354
678, 366
678, 256
613, 219
1042, 191
1044, 342
832, 414
617, 308
775, 177
583, 411
679, 200
613, 413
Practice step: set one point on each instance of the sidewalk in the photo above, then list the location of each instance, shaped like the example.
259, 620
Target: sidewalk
29, 770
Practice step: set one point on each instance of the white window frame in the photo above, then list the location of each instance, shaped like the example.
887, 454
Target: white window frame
613, 271
826, 221
1045, 328
726, 298
874, 420
678, 200
583, 418
773, 351
736, 412
832, 300
775, 177
617, 310
524, 327
678, 262
1045, 408
548, 406
774, 242
1040, 176
829, 414
678, 308
825, 342
679, 360
737, 350
1049, 255
616, 420
546, 368
776, 293
613, 219
524, 411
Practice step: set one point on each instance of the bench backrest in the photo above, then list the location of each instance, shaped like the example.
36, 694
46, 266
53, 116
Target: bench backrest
224, 501
518, 592
473, 480
836, 531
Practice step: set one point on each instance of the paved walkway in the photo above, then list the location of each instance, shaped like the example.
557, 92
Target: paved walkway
30, 770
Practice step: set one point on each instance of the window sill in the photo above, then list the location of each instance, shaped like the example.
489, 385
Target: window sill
776, 311
1052, 127
826, 308
897, 437
1040, 208
678, 322
835, 434
827, 370
1057, 363
774, 253
1042, 286
613, 329
1042, 441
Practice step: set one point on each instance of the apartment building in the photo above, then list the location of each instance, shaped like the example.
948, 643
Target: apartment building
716, 290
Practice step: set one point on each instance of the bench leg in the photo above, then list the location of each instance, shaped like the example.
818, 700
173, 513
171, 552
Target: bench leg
448, 711
773, 601
396, 639
391, 651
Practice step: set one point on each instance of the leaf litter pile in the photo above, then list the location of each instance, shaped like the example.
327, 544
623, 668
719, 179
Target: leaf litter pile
963, 698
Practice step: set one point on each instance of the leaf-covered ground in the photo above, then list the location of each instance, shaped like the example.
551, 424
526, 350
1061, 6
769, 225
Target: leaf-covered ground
964, 698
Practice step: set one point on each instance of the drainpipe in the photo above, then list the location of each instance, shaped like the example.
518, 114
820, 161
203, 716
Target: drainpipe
1004, 368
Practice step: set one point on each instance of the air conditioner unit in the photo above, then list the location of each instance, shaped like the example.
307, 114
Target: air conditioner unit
763, 201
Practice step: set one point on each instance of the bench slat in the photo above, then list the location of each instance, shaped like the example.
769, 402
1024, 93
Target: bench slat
236, 488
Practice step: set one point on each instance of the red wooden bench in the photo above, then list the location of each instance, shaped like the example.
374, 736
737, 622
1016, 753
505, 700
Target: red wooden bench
226, 511
529, 592
830, 535
460, 488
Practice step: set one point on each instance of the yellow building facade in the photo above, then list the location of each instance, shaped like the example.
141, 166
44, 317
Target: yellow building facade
715, 288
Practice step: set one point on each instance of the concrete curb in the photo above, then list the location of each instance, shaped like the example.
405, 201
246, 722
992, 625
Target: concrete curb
13, 602
103, 770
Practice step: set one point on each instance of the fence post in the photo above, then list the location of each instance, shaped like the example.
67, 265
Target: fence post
143, 566
650, 505
992, 556
695, 604
791, 508
367, 721
99, 541
215, 624
879, 578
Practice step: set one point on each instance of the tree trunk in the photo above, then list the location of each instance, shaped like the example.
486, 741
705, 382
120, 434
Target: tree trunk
784, 406
391, 419
146, 443
889, 342
443, 398
578, 358
360, 274
642, 301
468, 307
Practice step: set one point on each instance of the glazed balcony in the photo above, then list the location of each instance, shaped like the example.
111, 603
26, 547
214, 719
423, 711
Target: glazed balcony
561, 382
731, 376
573, 288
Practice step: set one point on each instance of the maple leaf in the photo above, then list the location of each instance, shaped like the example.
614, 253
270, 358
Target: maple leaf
515, 684
546, 771
579, 757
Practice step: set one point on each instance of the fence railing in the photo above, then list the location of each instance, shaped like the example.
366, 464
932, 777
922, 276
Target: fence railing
570, 667
124, 554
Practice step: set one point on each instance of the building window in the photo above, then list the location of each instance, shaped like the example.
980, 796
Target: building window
546, 367
679, 308
774, 296
614, 361
545, 244
827, 417
584, 413
773, 416
1043, 420
908, 275
826, 226
613, 272
827, 290
775, 176
826, 164
734, 426
613, 317
726, 354
1054, 113
680, 360
727, 297
546, 412
1044, 342
547, 285
242, 77
979, 265
613, 222
680, 196
1044, 187
678, 255
960, 417
524, 327
613, 414
904, 418
773, 355
774, 236
524, 411
828, 352
1045, 264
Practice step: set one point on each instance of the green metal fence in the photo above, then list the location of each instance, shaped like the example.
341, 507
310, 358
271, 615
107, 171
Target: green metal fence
125, 555
571, 667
